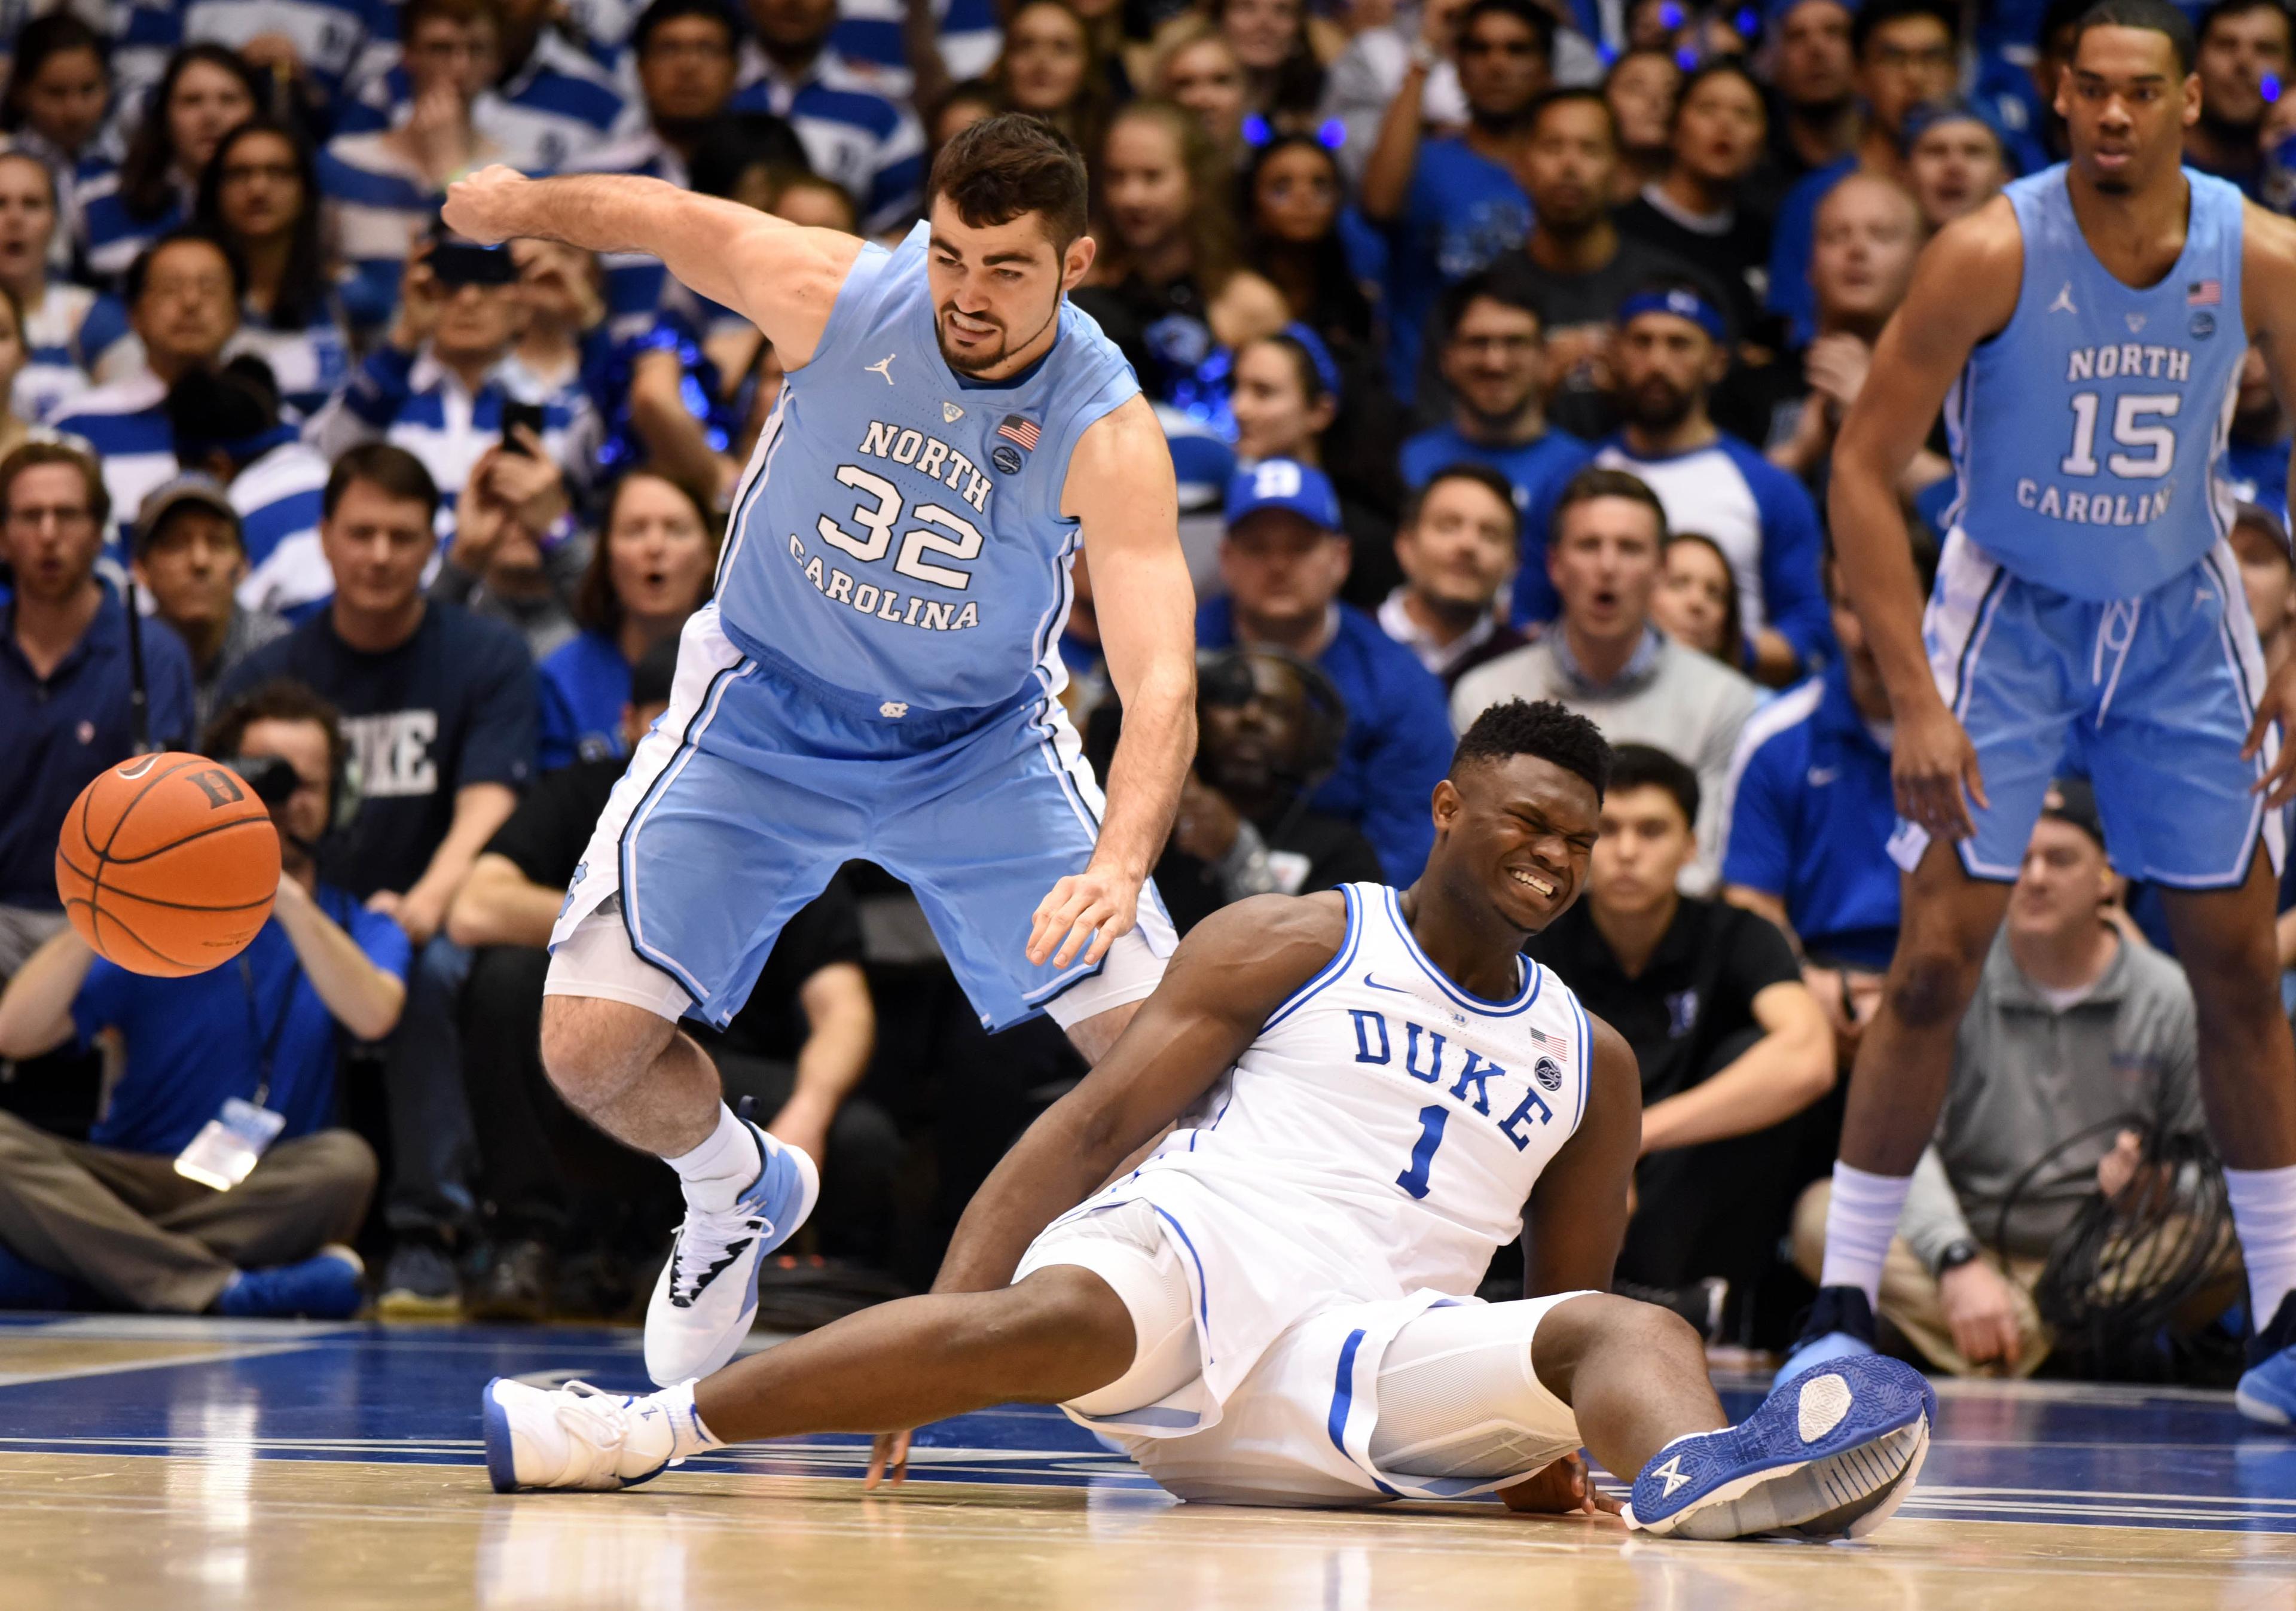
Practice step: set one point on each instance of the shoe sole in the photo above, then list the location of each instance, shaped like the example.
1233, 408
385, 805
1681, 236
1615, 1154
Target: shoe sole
2262, 1411
726, 1346
502, 1465
416, 1306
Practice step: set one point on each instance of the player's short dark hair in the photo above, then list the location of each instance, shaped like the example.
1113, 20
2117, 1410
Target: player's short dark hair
139, 270
1532, 17
2154, 16
1465, 470
1876, 13
281, 699
1644, 766
1568, 95
390, 470
1598, 482
1549, 730
1001, 167
663, 11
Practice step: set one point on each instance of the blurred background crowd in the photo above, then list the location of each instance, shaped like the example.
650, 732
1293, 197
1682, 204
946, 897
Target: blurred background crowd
1501, 346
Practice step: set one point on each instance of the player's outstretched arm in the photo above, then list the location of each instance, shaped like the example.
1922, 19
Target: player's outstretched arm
1230, 974
1120, 486
1577, 1221
783, 278
2268, 297
1964, 289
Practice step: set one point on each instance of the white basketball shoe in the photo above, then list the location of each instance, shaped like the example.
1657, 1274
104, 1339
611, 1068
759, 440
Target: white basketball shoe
708, 1291
575, 1437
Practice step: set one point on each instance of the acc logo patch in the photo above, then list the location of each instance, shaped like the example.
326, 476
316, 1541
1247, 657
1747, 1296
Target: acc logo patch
1005, 458
1548, 1072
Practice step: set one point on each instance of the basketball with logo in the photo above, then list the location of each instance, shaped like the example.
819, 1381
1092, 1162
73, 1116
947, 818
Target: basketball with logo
167, 864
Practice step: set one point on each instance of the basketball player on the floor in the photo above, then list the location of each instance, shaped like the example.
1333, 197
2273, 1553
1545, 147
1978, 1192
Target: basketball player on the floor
876, 677
2090, 323
1369, 1088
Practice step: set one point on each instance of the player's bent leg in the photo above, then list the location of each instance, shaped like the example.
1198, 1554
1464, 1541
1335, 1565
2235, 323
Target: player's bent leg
1829, 1454
1058, 1335
1897, 1088
2225, 941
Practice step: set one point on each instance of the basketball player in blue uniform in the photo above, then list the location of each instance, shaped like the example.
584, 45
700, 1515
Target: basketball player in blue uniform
2084, 333
1361, 1096
877, 676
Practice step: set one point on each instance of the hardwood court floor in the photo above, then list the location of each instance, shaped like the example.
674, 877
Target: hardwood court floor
151, 1465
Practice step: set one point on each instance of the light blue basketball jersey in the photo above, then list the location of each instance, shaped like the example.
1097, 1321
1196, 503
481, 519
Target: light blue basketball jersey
897, 538
2087, 434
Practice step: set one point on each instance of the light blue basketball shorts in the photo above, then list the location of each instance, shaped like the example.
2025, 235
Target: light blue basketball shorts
754, 788
2150, 698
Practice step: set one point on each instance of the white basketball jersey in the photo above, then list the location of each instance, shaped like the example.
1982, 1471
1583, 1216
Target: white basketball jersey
1417, 1114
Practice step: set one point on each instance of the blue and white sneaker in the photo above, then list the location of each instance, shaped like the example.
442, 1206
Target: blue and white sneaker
1830, 1454
708, 1291
1840, 1325
575, 1437
325, 1287
2267, 1388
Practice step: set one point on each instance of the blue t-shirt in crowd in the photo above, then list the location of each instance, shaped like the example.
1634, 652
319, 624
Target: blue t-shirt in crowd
2258, 473
193, 1042
1809, 815
1538, 469
450, 707
1463, 213
1398, 735
59, 731
585, 683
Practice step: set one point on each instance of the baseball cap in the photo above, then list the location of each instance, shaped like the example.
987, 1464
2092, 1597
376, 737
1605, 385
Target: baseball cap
1283, 484
192, 487
2073, 801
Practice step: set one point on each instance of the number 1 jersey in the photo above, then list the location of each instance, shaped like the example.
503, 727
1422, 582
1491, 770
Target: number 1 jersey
897, 540
2086, 435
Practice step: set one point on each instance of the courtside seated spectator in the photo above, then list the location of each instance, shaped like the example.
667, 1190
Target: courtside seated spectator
1494, 360
438, 706
1457, 548
227, 424
183, 302
1673, 348
1283, 558
189, 553
2073, 1025
1730, 1045
651, 568
1604, 660
1808, 814
115, 1218
798, 1046
1268, 727
64, 677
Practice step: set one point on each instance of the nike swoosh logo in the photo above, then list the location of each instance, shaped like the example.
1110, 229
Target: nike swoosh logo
1398, 988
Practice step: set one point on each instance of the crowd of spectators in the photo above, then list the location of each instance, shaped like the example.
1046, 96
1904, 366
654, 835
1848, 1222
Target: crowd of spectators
1501, 346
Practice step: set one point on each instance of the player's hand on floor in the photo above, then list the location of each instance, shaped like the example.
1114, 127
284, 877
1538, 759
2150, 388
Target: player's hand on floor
1934, 768
1565, 1488
1094, 906
888, 1460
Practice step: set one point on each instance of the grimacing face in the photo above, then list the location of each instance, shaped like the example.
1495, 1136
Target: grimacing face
997, 289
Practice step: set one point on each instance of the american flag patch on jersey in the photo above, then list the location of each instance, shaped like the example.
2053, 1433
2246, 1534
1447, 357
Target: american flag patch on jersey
1023, 431
1557, 1041
2204, 293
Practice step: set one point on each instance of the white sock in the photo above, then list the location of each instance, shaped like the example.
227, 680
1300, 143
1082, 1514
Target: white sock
688, 1435
2264, 1212
719, 1170
1859, 1222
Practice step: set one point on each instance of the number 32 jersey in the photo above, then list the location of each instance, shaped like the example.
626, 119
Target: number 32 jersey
898, 536
2088, 433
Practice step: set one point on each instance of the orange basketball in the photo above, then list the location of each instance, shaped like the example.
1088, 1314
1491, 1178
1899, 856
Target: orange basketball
167, 864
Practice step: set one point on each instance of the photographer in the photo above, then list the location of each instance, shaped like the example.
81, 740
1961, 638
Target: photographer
116, 1220
2073, 1027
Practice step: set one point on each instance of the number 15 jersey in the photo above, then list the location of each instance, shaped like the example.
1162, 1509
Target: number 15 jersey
898, 536
2086, 435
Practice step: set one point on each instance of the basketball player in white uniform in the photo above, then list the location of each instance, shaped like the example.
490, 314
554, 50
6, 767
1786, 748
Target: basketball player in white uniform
1358, 1094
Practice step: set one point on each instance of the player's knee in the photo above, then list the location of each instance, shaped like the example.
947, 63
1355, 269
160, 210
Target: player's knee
1062, 1311
592, 1049
1931, 982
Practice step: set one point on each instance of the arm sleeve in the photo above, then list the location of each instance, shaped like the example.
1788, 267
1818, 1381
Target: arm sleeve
500, 748
103, 1000
385, 944
1793, 550
1758, 831
364, 407
1932, 1220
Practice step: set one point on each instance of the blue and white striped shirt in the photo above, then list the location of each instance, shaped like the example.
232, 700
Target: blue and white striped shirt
341, 43
868, 36
563, 101
111, 238
853, 134
278, 497
75, 340
126, 425
309, 363
378, 206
